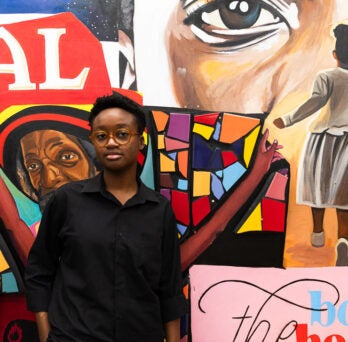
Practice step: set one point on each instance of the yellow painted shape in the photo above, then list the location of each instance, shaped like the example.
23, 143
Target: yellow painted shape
3, 263
12, 110
183, 162
201, 183
160, 142
253, 222
203, 130
250, 145
234, 127
146, 138
166, 164
161, 120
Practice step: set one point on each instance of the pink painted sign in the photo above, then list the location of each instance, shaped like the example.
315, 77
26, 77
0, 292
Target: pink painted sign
242, 304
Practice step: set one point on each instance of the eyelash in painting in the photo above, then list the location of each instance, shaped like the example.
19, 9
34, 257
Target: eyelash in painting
287, 11
236, 24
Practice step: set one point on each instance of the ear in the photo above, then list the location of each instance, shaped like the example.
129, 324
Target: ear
334, 54
141, 142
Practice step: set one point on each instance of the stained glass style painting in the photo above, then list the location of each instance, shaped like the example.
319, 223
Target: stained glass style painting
202, 157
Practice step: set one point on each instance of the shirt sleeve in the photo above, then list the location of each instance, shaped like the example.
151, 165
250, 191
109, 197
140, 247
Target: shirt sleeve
172, 299
320, 95
44, 257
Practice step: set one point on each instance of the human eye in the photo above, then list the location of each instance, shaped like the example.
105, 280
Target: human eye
33, 166
236, 24
122, 135
100, 136
68, 156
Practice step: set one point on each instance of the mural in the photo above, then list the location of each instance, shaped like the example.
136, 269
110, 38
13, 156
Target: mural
213, 75
245, 56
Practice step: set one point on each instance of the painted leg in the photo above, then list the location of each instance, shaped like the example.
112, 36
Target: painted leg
342, 219
342, 243
318, 236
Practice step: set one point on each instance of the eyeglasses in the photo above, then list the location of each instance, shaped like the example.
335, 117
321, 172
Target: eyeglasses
121, 136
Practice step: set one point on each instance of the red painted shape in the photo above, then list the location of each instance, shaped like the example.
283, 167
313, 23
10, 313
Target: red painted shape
181, 208
12, 308
228, 158
273, 215
206, 119
200, 209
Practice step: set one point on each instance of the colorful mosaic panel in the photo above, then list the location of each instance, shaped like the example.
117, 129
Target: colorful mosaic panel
202, 157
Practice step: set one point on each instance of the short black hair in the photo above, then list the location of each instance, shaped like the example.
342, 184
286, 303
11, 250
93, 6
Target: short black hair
117, 100
341, 48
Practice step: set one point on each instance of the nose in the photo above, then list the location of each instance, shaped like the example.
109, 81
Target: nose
50, 176
111, 142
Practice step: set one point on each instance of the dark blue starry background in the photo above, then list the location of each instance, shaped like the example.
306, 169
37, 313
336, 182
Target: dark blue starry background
102, 17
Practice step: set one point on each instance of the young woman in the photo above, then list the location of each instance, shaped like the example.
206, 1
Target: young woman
105, 265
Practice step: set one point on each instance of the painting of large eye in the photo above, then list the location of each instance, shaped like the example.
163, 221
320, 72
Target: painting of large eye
33, 165
239, 14
239, 23
67, 158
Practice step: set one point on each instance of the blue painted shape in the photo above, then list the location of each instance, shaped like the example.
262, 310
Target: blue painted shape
216, 135
231, 175
216, 186
181, 228
238, 148
28, 210
219, 173
9, 283
201, 153
147, 174
173, 155
33, 6
103, 20
216, 160
183, 184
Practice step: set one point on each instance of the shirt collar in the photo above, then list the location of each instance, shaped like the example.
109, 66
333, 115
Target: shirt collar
96, 184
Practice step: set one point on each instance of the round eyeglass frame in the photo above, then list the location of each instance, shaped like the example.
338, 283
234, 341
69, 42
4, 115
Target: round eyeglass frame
111, 135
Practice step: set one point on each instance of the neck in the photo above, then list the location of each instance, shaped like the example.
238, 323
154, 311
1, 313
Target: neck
123, 185
343, 65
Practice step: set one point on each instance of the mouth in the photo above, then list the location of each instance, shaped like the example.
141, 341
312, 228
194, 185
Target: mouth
113, 156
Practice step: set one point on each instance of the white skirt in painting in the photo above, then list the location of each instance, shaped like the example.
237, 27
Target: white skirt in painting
323, 172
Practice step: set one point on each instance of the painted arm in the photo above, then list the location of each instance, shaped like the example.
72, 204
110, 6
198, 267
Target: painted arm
320, 95
193, 247
19, 233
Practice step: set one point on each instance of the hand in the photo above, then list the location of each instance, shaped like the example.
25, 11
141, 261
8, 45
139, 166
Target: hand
265, 155
43, 325
279, 123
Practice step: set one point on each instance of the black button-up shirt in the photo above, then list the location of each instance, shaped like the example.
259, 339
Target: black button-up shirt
106, 271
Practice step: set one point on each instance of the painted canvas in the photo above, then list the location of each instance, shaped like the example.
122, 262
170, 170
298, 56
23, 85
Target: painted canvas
216, 77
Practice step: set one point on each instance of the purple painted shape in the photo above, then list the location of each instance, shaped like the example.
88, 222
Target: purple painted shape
179, 126
166, 193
